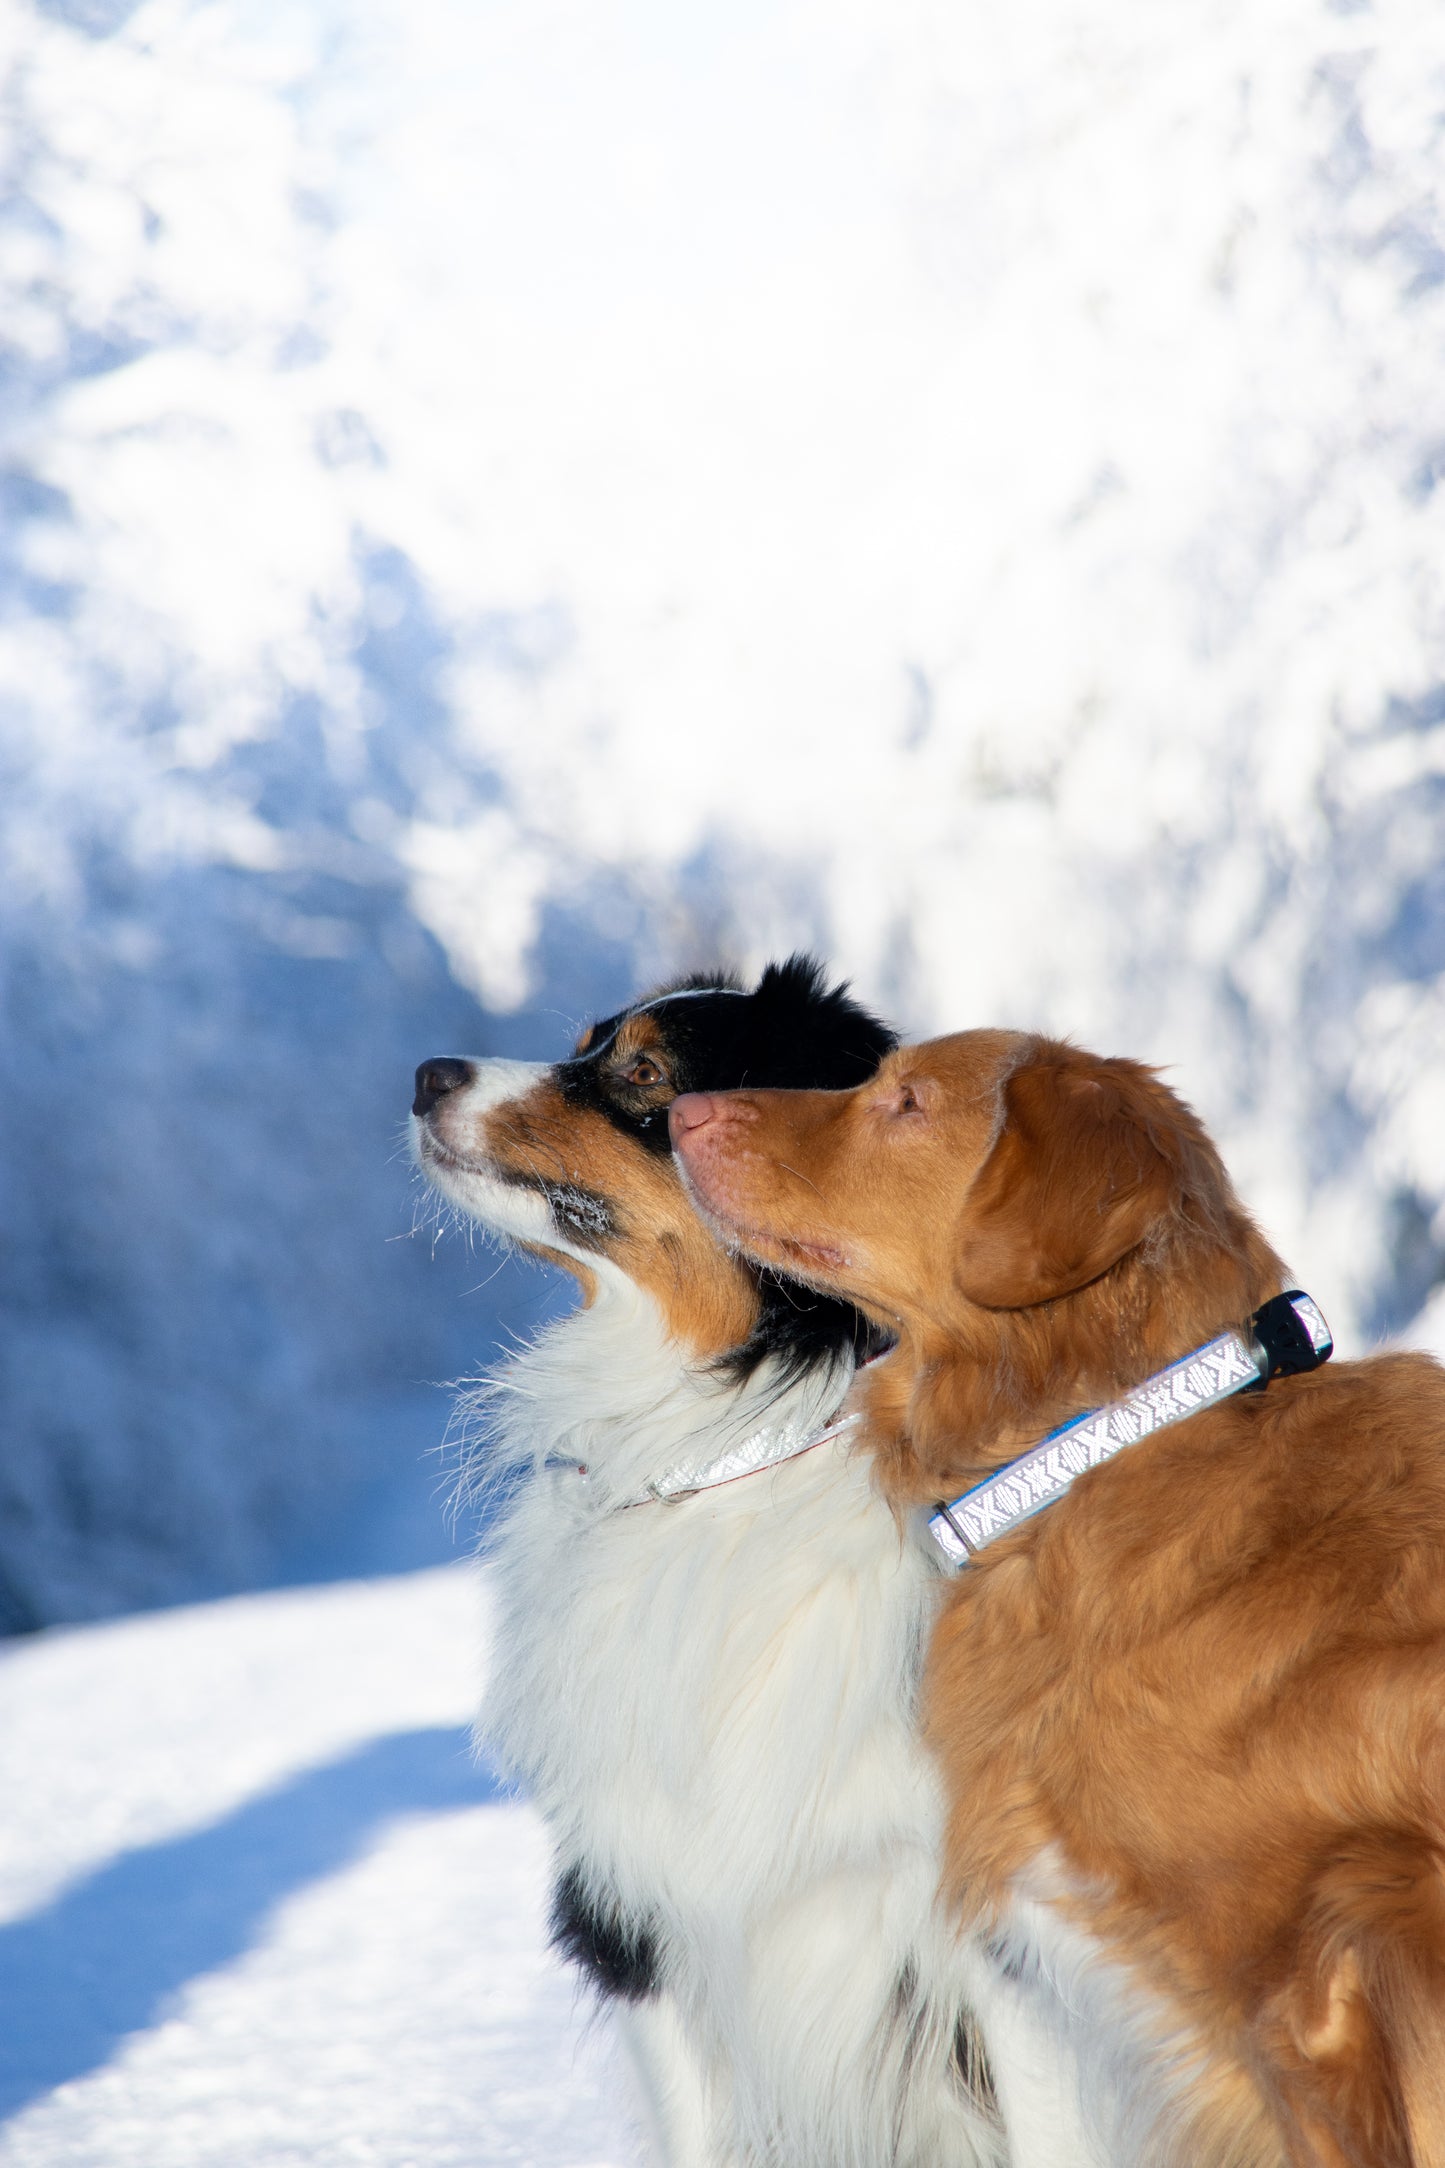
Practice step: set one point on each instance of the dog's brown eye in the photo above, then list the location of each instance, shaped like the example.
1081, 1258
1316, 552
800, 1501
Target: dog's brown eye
645, 1071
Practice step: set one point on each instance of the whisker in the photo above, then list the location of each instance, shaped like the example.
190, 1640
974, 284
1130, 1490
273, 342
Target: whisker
801, 1177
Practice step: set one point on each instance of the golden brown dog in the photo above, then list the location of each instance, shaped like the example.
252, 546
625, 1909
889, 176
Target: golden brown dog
1192, 1714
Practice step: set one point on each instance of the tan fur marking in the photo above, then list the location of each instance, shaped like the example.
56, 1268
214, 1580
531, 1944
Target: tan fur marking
706, 1296
585, 1277
638, 1035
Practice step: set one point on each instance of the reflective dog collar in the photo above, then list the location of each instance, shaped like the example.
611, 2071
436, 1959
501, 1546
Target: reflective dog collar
767, 1447
764, 1449
1285, 1335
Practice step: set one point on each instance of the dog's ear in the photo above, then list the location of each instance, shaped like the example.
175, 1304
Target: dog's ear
1073, 1182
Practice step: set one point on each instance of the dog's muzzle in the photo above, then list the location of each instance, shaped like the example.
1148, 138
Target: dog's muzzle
437, 1080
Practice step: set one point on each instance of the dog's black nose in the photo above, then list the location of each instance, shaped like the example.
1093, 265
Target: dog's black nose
434, 1079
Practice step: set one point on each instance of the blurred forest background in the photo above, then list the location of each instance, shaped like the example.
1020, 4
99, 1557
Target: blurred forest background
499, 501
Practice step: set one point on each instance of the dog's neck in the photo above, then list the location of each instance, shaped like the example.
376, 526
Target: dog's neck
608, 1388
951, 1405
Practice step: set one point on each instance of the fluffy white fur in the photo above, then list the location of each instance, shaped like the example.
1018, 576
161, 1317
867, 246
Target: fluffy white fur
1139, 2062
712, 1702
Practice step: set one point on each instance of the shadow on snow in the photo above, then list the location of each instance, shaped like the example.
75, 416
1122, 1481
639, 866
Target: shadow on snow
102, 1960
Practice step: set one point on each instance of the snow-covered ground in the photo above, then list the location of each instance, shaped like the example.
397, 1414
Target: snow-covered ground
259, 1908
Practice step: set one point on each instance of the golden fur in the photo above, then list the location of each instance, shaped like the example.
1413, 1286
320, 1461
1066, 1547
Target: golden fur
1209, 1683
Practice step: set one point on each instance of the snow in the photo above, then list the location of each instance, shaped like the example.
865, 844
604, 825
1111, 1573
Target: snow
259, 1903
500, 503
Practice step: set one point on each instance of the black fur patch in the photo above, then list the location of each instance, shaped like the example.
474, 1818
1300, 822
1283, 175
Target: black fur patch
791, 1032
970, 2061
581, 1213
798, 1327
618, 1958
587, 1217
913, 2028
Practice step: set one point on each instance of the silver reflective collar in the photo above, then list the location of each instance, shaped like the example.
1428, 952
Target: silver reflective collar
767, 1447
1285, 1335
764, 1449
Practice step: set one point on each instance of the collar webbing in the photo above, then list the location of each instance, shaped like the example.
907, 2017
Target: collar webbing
766, 1448
1285, 1335
770, 1446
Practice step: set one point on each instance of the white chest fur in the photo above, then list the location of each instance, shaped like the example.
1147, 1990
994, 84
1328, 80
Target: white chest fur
1079, 2008
712, 1703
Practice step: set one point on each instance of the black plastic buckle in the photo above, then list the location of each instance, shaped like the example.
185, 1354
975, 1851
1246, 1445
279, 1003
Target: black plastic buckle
1283, 1341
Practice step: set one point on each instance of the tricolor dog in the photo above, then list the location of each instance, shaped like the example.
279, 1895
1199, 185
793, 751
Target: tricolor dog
712, 1623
